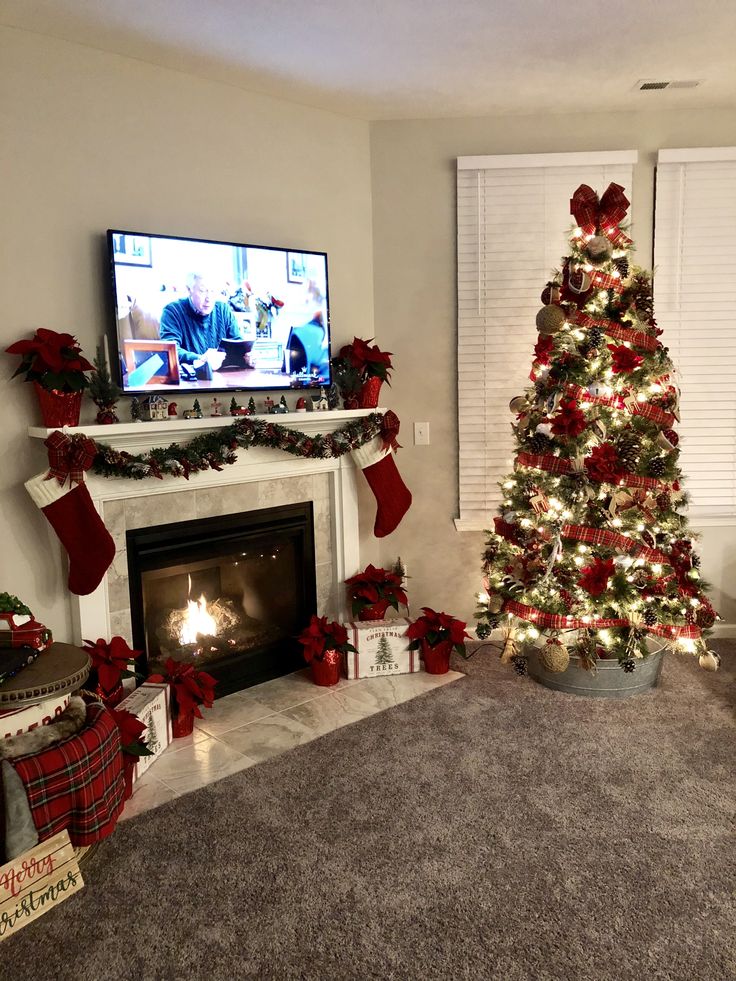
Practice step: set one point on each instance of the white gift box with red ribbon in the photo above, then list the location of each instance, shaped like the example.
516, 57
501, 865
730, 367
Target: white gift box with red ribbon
150, 704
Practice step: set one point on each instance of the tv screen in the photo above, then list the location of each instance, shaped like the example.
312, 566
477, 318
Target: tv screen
193, 315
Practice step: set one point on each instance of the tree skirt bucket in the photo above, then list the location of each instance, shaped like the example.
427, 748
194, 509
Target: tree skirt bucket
609, 680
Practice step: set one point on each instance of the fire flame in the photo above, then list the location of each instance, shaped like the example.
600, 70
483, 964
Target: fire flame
196, 620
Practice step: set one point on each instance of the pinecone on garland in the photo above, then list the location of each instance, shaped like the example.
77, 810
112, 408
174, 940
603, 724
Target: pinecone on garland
629, 665
483, 630
656, 466
664, 501
593, 340
519, 663
650, 618
539, 443
628, 447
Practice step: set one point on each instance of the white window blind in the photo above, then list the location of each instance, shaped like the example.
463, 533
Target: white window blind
695, 305
513, 224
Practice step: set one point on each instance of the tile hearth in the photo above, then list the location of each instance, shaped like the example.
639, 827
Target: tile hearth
250, 726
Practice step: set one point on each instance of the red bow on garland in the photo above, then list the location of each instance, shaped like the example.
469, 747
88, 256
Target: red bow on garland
605, 215
390, 430
69, 456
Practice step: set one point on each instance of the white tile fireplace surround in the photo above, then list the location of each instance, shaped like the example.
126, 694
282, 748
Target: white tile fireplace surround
261, 478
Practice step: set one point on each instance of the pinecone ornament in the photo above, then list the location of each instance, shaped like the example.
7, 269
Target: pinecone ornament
628, 447
622, 264
656, 466
695, 561
650, 618
519, 663
594, 339
629, 665
539, 443
483, 630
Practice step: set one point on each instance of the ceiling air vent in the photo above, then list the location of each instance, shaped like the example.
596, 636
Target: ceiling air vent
652, 85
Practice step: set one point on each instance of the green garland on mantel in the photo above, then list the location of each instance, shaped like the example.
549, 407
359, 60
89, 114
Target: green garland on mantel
214, 450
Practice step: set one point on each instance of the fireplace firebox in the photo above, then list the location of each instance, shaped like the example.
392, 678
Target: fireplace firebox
228, 594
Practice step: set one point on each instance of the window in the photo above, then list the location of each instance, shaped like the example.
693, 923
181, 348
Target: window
695, 304
513, 220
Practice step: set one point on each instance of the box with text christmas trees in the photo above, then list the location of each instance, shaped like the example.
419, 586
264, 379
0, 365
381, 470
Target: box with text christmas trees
382, 649
591, 562
150, 704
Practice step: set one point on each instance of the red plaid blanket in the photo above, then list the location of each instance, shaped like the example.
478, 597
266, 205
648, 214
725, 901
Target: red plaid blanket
77, 784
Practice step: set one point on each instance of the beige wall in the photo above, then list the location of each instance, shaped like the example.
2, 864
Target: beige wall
413, 179
91, 141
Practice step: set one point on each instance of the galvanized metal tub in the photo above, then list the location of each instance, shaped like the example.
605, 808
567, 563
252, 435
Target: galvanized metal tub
609, 681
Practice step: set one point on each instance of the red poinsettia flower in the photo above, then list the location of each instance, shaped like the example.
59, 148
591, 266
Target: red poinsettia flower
374, 585
190, 688
623, 359
52, 359
111, 660
570, 420
437, 628
323, 635
604, 464
131, 732
543, 349
369, 361
594, 578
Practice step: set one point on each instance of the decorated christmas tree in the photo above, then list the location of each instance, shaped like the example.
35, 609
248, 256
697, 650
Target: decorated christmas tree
591, 553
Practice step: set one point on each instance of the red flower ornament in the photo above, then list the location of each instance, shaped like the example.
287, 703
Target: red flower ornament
570, 420
623, 359
189, 688
111, 660
323, 635
604, 464
594, 578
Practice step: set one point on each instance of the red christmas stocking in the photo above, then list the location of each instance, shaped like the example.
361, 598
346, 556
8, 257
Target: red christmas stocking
73, 517
392, 495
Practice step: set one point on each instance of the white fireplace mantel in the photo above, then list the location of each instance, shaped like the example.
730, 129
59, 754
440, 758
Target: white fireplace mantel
91, 614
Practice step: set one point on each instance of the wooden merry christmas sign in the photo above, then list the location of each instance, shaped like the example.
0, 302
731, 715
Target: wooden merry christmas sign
37, 881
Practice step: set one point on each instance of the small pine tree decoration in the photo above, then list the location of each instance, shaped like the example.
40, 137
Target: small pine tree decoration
103, 391
384, 654
590, 543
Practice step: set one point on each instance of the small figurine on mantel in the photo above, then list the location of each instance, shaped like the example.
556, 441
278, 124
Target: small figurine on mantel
154, 408
283, 406
172, 410
333, 397
194, 413
215, 407
301, 404
268, 404
320, 402
135, 410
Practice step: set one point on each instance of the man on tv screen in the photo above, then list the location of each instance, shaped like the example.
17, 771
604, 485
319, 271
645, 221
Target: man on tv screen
199, 321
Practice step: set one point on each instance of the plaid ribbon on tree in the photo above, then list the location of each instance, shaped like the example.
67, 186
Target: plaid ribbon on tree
561, 465
77, 784
583, 395
645, 409
612, 539
69, 456
557, 621
604, 215
603, 281
637, 338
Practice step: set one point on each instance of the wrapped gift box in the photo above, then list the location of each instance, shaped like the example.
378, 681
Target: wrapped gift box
150, 704
382, 649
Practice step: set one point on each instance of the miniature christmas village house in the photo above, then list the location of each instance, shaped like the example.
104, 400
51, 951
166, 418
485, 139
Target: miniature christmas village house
154, 407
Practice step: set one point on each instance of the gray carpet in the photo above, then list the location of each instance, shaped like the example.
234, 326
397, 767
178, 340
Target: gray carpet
488, 829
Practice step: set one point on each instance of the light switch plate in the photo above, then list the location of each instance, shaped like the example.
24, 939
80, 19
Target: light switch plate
421, 434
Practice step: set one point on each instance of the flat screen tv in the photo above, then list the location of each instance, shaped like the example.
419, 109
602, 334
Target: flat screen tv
193, 315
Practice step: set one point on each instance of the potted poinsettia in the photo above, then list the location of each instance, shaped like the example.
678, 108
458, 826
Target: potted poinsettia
55, 364
325, 643
189, 689
436, 635
132, 743
112, 662
360, 370
373, 591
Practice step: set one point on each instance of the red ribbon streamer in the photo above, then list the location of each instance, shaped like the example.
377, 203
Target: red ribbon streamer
645, 409
69, 456
612, 539
602, 281
556, 621
605, 215
637, 338
561, 465
390, 430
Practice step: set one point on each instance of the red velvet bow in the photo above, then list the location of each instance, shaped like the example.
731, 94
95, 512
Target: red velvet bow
390, 430
69, 456
601, 216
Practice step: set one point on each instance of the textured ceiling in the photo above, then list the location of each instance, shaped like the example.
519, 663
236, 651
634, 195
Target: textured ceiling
400, 59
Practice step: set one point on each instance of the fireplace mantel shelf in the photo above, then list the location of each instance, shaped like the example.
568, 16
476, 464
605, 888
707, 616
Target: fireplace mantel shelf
141, 436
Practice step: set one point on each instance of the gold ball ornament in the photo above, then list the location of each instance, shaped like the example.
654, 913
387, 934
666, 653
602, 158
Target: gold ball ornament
550, 320
710, 661
495, 604
518, 403
554, 656
598, 250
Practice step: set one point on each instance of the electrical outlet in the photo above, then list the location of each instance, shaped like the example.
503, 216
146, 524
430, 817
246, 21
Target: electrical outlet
421, 434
